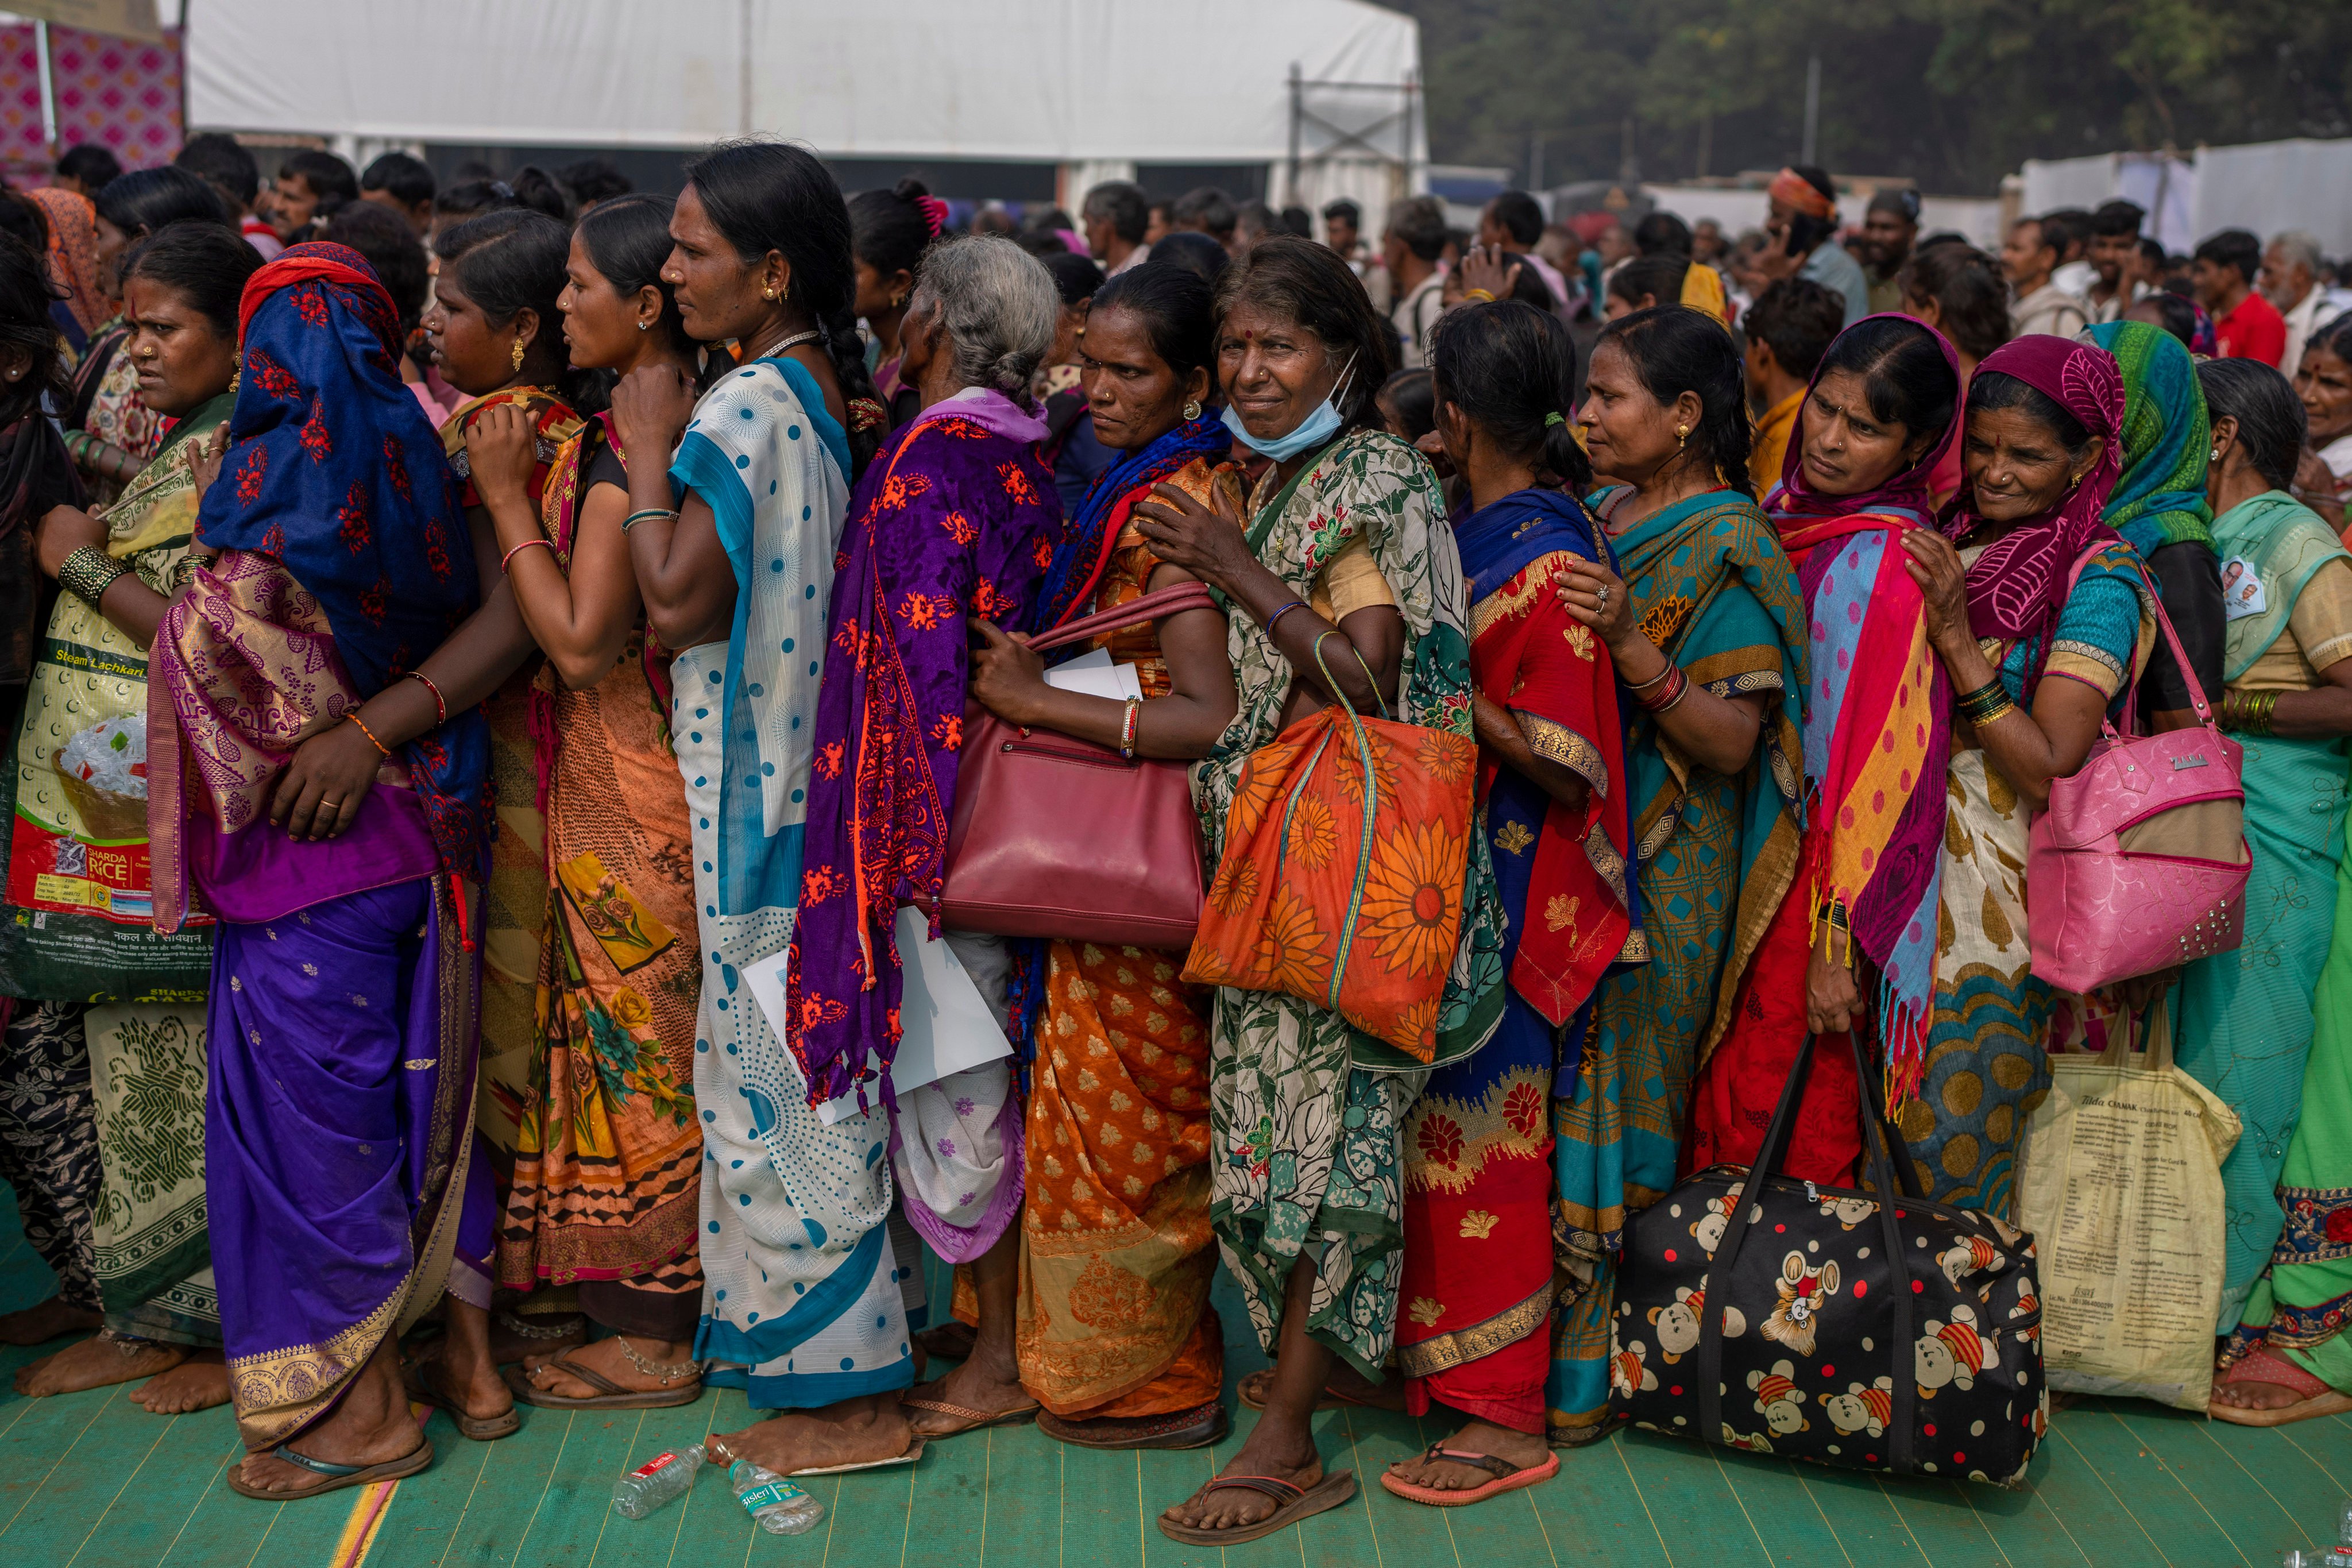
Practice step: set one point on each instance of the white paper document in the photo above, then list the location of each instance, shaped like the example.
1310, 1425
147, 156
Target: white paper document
945, 1023
1094, 674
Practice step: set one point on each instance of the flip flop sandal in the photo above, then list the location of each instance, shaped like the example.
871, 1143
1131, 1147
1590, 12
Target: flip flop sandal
609, 1395
334, 1477
1332, 1398
914, 1452
1509, 1478
973, 1420
2318, 1398
1198, 1428
1577, 1436
1298, 1502
422, 1390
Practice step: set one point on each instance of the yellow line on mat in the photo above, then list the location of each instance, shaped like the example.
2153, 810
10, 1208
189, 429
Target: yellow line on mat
1663, 1549
368, 1509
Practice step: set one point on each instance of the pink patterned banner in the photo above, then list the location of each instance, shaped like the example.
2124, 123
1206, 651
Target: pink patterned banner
23, 153
119, 93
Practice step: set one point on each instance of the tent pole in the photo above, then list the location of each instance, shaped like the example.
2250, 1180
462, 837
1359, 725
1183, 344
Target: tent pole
49, 90
1297, 105
743, 73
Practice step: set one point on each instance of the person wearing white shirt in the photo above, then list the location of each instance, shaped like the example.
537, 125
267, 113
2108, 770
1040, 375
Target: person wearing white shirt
2030, 255
2113, 254
1114, 216
2290, 280
1415, 239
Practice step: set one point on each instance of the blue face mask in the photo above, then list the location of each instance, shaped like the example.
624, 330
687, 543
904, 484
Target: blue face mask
1313, 431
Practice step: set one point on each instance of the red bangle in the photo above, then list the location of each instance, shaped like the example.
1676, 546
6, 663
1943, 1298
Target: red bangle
354, 716
1667, 696
508, 558
440, 708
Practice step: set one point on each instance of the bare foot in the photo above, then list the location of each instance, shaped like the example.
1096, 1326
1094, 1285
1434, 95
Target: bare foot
1525, 1449
853, 1432
48, 1320
369, 1426
607, 1357
950, 1341
509, 1344
990, 1382
1345, 1385
2248, 1393
462, 1369
96, 1363
198, 1383
1269, 1451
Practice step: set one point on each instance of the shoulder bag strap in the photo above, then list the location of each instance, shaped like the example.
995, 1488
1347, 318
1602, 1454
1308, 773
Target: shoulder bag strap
1735, 1231
1880, 1138
1152, 606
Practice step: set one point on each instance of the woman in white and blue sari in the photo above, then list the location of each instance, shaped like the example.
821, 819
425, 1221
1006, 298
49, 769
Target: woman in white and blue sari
806, 1296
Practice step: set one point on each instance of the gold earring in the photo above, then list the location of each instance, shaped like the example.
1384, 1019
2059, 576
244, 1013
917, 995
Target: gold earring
518, 354
1682, 437
767, 293
1191, 409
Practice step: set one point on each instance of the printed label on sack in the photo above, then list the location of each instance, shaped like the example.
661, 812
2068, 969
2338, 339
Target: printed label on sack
769, 1492
656, 1463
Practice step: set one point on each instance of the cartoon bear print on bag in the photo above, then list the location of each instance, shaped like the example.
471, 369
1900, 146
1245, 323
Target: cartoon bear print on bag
1678, 1321
1803, 1294
1953, 1352
1848, 1212
1708, 1229
1627, 1375
1861, 1408
1758, 1443
1969, 1254
1779, 1400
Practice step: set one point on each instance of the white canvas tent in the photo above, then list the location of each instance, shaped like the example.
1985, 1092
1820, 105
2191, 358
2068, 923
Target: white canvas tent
2265, 186
1092, 85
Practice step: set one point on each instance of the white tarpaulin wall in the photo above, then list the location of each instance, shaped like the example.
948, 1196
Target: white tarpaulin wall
2265, 186
1204, 81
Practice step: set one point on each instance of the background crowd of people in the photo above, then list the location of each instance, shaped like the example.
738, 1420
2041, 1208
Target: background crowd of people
489, 665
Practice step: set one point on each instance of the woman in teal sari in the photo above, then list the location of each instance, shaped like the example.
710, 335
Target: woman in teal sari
2247, 1017
1707, 631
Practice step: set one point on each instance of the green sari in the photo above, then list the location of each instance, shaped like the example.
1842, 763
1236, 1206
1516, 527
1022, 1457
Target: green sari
1307, 1112
1718, 853
2247, 1017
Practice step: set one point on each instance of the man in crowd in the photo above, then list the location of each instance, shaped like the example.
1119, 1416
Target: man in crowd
1707, 244
2290, 281
1802, 226
2069, 229
1515, 222
2029, 255
85, 169
1114, 216
218, 157
1415, 239
1789, 327
403, 183
1209, 211
1890, 227
312, 185
2115, 244
1343, 231
2246, 325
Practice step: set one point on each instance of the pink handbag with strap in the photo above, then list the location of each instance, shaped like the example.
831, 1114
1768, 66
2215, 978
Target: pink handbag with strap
1055, 836
2140, 863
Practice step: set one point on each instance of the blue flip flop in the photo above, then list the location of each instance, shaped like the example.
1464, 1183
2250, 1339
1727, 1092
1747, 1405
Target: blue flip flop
333, 1476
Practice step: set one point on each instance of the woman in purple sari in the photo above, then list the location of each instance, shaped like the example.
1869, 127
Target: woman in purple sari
342, 1025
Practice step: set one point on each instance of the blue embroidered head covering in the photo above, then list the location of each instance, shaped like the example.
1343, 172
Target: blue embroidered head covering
332, 471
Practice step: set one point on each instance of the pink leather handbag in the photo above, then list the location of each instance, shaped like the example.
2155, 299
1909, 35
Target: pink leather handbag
2122, 873
1055, 836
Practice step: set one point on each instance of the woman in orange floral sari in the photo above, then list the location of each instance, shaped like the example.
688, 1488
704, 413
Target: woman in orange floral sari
604, 1187
1114, 1333
1475, 1332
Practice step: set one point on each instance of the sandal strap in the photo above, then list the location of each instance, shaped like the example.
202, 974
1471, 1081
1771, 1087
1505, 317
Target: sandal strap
317, 1467
1274, 1486
944, 1408
1501, 1469
587, 1375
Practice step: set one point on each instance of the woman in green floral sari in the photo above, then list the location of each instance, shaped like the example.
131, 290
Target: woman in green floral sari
1709, 632
1345, 544
146, 1042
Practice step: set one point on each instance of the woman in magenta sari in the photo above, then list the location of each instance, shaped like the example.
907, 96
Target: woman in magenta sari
341, 1027
1853, 945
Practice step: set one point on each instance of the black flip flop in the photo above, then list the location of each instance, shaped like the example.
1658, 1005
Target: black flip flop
334, 1477
1199, 1428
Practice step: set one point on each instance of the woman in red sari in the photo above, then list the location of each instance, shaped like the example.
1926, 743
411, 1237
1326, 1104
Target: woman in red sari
1853, 945
1476, 1329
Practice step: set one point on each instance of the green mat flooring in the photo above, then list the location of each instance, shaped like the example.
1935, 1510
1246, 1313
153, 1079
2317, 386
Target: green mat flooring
90, 1480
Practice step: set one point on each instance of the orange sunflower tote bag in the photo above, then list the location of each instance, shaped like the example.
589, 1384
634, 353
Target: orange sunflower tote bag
1341, 882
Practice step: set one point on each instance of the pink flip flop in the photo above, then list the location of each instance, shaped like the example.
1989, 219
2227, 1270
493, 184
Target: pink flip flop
2318, 1398
1507, 1477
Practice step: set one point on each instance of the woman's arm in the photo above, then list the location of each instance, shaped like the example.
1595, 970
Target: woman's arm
1718, 733
1211, 546
582, 620
1009, 681
134, 607
1499, 732
680, 567
2030, 748
2325, 711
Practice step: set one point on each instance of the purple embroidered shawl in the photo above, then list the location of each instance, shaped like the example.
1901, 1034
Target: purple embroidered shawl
958, 515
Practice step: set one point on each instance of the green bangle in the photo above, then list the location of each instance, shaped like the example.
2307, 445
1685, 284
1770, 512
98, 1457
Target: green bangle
636, 518
90, 572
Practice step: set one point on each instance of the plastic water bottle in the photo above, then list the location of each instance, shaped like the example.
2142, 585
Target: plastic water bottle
782, 1508
665, 1475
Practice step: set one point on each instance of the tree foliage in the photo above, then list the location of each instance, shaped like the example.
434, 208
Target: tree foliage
1953, 93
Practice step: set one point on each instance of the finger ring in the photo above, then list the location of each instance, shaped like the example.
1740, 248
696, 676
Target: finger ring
1604, 598
329, 804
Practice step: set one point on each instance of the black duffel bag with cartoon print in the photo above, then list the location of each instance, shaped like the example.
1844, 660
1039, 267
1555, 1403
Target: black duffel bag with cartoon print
1902, 1338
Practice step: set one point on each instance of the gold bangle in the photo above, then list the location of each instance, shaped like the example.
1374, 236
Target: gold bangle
1484, 296
354, 716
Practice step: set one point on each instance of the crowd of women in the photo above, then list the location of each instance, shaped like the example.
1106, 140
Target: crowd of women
424, 818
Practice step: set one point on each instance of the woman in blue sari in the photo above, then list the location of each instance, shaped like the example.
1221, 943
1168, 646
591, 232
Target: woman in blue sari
1476, 1334
341, 1035
1707, 629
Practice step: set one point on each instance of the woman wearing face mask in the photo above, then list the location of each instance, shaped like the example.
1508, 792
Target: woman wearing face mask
1853, 946
2033, 663
1343, 547
600, 1170
1707, 633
